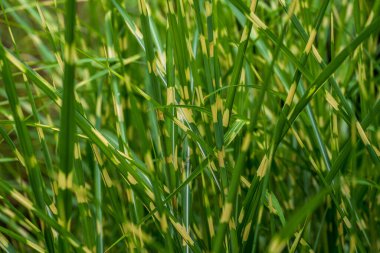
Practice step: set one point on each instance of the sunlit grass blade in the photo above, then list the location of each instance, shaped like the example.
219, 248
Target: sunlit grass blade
68, 126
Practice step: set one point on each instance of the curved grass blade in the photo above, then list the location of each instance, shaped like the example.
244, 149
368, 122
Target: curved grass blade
29, 157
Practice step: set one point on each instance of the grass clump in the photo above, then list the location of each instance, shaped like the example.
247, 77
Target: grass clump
189, 126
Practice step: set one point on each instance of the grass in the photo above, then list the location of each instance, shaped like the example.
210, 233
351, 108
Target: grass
189, 126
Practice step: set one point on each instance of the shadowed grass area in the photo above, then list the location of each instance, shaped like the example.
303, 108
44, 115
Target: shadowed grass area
189, 126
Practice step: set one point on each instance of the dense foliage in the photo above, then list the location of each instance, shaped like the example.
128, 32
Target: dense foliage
189, 126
